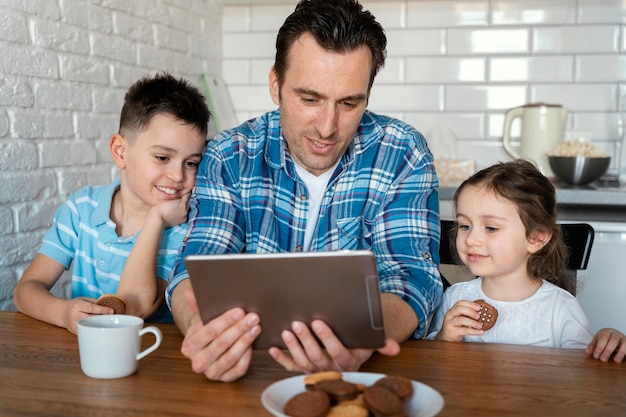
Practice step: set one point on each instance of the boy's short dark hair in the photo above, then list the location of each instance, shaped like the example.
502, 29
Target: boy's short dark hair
163, 94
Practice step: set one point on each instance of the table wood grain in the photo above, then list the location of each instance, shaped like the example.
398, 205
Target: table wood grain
40, 376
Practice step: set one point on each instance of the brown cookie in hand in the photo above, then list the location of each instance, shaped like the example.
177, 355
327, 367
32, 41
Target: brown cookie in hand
488, 314
114, 301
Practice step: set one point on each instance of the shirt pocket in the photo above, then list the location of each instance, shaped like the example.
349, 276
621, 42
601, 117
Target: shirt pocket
353, 233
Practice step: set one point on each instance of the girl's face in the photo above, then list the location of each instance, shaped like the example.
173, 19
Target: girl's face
491, 238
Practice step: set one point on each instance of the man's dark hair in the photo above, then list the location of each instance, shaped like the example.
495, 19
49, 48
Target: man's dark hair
337, 25
163, 94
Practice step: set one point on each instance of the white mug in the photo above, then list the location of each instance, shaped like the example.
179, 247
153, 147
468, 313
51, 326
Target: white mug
110, 344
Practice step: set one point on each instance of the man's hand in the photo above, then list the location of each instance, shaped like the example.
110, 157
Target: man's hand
305, 354
222, 348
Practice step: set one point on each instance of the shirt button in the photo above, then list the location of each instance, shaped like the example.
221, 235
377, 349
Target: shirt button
427, 255
299, 248
101, 263
303, 197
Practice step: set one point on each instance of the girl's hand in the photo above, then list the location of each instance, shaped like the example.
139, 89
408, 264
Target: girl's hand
461, 320
606, 343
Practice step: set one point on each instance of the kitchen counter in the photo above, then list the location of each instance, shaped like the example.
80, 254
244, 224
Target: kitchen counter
594, 202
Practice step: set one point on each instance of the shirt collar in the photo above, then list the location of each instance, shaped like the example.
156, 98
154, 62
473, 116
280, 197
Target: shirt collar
102, 212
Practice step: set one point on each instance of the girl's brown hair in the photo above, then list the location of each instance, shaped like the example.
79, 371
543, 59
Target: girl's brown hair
521, 183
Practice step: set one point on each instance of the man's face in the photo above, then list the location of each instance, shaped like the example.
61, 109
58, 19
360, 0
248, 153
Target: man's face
322, 100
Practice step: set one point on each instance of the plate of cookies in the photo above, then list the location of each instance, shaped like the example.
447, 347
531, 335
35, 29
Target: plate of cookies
334, 393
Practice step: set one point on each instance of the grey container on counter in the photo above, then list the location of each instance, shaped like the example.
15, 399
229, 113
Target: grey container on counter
579, 170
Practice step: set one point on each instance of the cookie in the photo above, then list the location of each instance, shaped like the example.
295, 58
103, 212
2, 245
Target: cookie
337, 389
348, 410
382, 402
311, 379
308, 404
399, 385
114, 301
488, 314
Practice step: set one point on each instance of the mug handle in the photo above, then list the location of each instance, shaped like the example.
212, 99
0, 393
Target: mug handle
157, 334
510, 115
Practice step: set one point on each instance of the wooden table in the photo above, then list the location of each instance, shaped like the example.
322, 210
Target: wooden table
40, 376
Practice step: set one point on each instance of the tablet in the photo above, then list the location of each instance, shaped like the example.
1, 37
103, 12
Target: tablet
340, 288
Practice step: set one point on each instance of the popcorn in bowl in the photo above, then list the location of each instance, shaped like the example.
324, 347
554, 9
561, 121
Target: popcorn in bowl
577, 148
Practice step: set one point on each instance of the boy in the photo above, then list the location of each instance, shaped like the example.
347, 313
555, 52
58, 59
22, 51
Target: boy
124, 236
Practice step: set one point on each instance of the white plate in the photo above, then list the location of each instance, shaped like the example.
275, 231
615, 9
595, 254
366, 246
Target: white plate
426, 401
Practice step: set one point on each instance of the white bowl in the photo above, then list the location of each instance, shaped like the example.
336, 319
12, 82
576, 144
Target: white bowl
426, 401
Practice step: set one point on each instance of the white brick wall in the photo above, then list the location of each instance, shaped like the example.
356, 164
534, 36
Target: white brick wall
461, 64
65, 67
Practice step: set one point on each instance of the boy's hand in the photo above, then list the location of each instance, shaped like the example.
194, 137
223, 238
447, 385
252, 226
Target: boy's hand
174, 212
461, 320
79, 308
605, 343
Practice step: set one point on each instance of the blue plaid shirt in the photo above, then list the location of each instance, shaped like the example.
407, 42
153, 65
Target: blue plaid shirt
382, 197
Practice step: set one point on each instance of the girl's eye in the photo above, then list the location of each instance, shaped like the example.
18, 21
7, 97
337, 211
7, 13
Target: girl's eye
162, 158
191, 164
464, 227
491, 229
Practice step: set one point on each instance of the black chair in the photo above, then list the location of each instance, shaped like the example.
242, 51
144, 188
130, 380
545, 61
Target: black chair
578, 238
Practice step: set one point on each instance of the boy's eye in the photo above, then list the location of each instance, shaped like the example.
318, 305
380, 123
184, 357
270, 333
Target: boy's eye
348, 105
192, 164
161, 157
491, 229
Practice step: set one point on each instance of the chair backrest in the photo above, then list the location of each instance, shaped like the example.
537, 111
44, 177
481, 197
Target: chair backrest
578, 238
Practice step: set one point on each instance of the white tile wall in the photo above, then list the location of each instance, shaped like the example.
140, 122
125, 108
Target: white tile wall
462, 64
514, 12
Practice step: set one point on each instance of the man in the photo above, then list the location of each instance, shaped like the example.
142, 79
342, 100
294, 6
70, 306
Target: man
320, 173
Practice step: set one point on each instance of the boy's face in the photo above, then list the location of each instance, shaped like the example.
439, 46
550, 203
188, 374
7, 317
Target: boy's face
161, 161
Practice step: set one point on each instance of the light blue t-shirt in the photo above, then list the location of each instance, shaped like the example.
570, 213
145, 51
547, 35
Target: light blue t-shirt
83, 233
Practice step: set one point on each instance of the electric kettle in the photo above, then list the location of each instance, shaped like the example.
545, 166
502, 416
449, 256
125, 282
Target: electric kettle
542, 130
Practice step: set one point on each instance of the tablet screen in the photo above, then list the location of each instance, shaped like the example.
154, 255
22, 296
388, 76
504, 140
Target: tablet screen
340, 288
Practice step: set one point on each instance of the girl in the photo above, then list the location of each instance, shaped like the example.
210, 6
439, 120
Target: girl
507, 235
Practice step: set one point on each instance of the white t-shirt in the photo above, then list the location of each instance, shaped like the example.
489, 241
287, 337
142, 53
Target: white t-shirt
316, 186
551, 317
